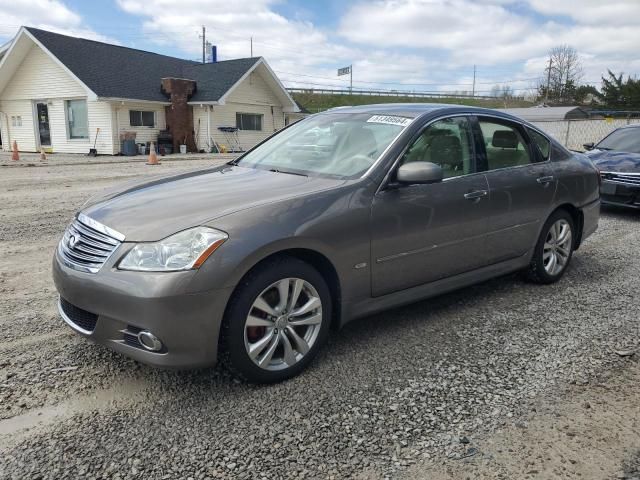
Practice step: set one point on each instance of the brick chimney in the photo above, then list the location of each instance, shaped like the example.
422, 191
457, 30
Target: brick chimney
179, 115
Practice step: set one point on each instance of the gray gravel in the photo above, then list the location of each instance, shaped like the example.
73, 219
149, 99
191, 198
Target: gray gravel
386, 392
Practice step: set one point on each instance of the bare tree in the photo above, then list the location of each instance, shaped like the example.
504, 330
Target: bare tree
562, 76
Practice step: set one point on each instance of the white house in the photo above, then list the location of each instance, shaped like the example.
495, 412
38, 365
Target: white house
58, 92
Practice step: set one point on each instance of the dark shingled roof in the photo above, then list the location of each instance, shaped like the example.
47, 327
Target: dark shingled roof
121, 72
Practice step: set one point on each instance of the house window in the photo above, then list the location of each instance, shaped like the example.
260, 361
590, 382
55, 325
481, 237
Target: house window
16, 121
249, 121
77, 118
138, 118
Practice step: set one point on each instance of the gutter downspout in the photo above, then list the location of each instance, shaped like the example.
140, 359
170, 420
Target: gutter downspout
209, 128
6, 146
118, 142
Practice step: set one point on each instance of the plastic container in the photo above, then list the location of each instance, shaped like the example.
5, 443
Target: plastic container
129, 147
183, 149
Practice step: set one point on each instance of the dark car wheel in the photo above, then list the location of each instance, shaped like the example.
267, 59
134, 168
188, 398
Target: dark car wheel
554, 249
276, 321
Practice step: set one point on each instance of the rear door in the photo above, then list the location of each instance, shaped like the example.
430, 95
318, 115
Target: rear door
422, 233
521, 186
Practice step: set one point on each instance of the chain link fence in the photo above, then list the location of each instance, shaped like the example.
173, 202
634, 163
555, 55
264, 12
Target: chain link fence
573, 133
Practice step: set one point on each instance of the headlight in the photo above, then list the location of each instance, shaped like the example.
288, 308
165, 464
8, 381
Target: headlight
182, 251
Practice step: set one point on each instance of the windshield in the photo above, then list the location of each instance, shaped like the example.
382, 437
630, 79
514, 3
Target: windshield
623, 140
339, 145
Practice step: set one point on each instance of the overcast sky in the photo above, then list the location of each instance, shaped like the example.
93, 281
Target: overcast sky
424, 45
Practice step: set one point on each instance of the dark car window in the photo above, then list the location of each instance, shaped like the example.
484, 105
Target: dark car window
448, 143
559, 153
622, 140
504, 145
542, 142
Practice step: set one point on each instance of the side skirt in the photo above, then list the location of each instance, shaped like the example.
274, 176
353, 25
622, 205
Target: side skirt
358, 309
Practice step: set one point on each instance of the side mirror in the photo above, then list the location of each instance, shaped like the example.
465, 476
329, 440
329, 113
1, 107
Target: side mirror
588, 146
419, 172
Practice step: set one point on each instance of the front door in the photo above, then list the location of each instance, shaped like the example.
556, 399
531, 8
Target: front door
521, 187
42, 111
422, 233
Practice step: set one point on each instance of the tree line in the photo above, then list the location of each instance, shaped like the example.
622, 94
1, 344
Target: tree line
561, 84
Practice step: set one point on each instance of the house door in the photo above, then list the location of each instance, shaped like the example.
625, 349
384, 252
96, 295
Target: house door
43, 124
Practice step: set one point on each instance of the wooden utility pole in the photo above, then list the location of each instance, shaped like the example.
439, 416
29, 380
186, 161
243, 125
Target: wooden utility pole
251, 47
546, 93
473, 92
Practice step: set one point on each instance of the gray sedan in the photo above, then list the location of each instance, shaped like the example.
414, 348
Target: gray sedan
336, 217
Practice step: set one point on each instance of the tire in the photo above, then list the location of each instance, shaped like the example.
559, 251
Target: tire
283, 340
553, 247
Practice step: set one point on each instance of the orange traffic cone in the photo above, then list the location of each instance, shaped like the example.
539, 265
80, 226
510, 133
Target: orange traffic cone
153, 157
43, 156
15, 155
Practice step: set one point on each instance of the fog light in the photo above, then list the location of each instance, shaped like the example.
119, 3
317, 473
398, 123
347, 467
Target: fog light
149, 341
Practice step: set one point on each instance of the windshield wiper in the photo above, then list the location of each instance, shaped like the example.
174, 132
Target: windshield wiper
288, 173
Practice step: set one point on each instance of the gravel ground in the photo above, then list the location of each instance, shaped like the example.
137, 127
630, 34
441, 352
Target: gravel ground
391, 395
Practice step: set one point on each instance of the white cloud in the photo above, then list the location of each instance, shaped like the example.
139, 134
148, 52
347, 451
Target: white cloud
302, 54
51, 15
501, 32
596, 12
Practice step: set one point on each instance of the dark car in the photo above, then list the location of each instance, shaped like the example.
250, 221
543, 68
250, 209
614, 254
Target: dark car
338, 216
617, 157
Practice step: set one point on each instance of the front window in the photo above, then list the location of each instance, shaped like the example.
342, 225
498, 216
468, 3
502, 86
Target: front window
249, 121
139, 118
447, 143
338, 145
77, 118
623, 140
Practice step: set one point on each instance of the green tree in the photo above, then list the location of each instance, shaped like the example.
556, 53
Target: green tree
618, 93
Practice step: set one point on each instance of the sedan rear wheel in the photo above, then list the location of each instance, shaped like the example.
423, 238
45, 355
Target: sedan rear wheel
276, 321
557, 247
554, 249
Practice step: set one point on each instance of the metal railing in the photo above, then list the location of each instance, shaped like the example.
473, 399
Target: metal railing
394, 93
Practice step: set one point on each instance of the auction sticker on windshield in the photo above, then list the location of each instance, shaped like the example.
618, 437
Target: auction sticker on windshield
390, 120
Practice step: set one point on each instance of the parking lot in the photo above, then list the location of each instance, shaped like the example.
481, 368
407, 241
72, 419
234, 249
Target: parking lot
501, 380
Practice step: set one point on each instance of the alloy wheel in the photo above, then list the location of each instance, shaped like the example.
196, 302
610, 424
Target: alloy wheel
557, 247
283, 324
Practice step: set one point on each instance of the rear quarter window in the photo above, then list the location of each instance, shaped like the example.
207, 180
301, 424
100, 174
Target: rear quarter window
559, 153
542, 142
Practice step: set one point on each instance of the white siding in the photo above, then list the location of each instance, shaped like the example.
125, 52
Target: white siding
143, 134
253, 95
39, 78
25, 134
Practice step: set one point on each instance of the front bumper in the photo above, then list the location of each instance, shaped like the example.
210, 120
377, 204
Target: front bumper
113, 306
619, 194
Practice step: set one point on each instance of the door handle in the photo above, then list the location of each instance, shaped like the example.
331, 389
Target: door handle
545, 180
475, 195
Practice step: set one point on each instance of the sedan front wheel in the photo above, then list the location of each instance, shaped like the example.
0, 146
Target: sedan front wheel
276, 322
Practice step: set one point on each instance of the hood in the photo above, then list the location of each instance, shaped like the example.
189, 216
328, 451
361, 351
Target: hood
612, 161
155, 209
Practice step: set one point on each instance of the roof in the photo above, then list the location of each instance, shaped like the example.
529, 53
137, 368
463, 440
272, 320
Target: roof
542, 114
112, 71
215, 79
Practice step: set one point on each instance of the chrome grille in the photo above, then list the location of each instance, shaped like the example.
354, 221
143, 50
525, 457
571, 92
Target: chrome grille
625, 178
86, 244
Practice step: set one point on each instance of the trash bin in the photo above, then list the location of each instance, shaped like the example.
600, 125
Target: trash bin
129, 147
